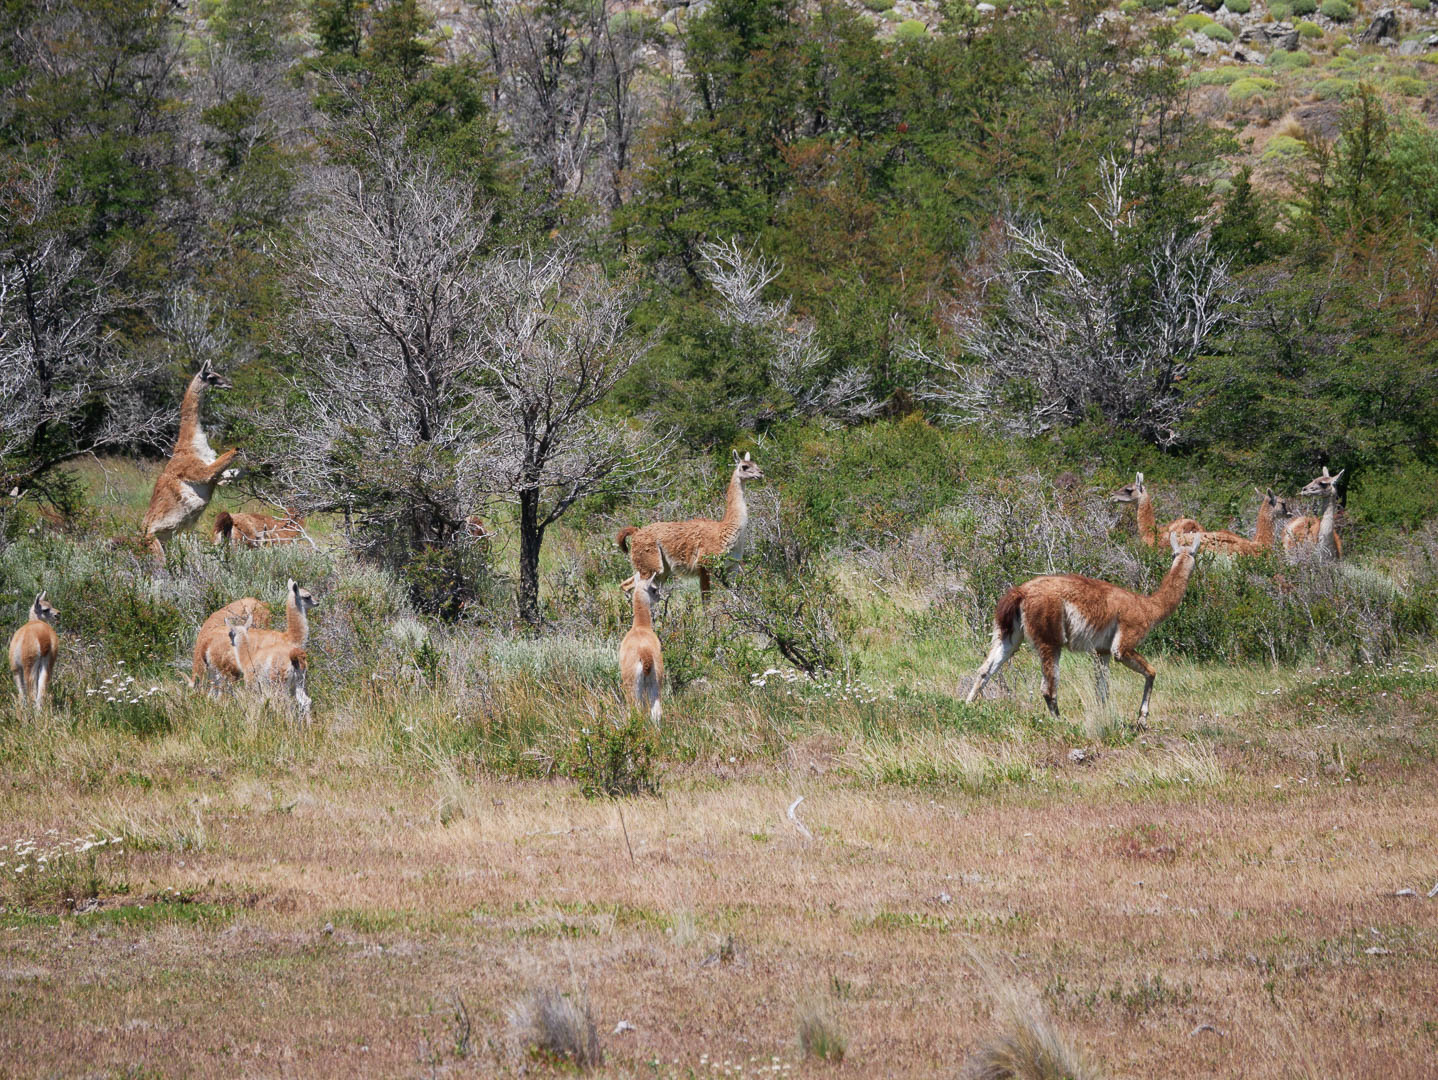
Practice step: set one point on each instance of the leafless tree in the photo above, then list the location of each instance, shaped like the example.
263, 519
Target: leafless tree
435, 374
1064, 337
69, 384
797, 364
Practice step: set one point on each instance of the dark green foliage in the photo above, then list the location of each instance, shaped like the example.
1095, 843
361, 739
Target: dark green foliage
616, 762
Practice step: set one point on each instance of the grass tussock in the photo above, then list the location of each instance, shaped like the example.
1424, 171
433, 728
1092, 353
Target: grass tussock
1027, 1046
1192, 764
821, 1035
558, 1028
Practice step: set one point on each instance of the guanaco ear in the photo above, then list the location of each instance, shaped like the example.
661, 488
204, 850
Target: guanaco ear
746, 455
736, 457
1173, 542
1335, 477
1192, 549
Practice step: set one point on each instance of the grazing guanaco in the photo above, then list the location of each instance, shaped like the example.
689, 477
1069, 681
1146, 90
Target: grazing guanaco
32, 652
215, 662
1317, 533
188, 481
259, 530
1138, 493
1085, 615
270, 664
689, 544
641, 661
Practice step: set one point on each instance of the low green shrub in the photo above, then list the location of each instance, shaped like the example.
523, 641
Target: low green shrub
1219, 32
1279, 11
1250, 87
615, 762
1338, 10
1421, 5
1194, 21
1157, 5
911, 30
1406, 86
1238, 7
878, 5
1129, 7
1303, 7
1288, 61
1308, 30
1333, 89
1223, 76
1283, 147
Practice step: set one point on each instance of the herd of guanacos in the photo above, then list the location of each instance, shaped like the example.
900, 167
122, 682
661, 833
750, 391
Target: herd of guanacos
1053, 612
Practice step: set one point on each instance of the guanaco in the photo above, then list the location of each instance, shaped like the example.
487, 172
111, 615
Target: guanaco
259, 530
32, 652
1085, 615
1317, 533
1272, 510
270, 665
1223, 542
690, 544
1138, 493
215, 663
641, 661
185, 487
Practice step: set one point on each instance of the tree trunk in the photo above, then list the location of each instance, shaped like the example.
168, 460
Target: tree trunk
531, 536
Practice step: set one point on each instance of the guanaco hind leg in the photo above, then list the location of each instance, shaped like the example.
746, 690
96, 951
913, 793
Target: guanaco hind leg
1137, 663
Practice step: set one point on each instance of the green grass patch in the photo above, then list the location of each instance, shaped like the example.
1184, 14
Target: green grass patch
1247, 88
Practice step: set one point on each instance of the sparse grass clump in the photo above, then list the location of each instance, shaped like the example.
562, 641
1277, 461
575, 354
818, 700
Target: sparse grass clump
1027, 1047
48, 875
552, 1026
820, 1034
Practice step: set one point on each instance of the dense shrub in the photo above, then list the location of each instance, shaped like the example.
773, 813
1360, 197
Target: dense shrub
1222, 76
1219, 32
1282, 147
1247, 88
1280, 12
1303, 7
1129, 7
614, 762
1338, 10
1289, 61
911, 30
1328, 89
1194, 21
1406, 85
1308, 30
878, 5
1238, 7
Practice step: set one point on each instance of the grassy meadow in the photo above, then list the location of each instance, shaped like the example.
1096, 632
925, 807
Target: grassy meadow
851, 875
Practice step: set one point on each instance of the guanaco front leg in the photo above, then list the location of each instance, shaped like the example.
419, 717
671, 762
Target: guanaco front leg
704, 586
1137, 663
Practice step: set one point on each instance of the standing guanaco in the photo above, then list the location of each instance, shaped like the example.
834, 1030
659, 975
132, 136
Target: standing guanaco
188, 481
1085, 615
688, 544
641, 661
32, 652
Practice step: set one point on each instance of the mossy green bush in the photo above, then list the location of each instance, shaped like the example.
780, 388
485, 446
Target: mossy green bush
1129, 7
1338, 10
1289, 61
1406, 86
1223, 76
1248, 88
1303, 7
1238, 7
911, 30
1339, 63
1421, 5
1157, 5
1279, 11
1308, 30
1282, 147
1333, 89
878, 5
1196, 20
1219, 32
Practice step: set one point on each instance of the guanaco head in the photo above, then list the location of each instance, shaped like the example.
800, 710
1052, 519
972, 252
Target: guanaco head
212, 378
1324, 484
43, 610
1130, 492
239, 628
1182, 550
745, 468
303, 598
648, 587
1274, 502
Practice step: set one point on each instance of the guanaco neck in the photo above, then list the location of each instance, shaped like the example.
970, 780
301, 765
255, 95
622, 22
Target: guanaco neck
297, 624
643, 619
1327, 522
1170, 591
1147, 524
190, 413
736, 510
1263, 534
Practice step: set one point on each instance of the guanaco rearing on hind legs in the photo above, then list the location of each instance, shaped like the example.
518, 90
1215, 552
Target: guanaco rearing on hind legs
1085, 615
32, 652
688, 544
641, 660
188, 482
